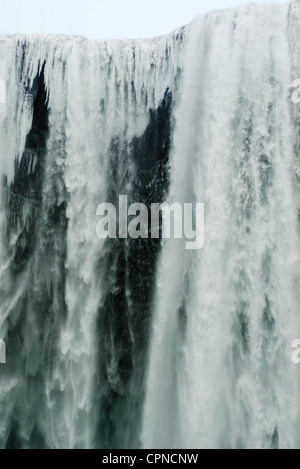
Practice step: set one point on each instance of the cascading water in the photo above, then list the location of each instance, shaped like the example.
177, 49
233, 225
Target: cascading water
84, 122
136, 343
221, 374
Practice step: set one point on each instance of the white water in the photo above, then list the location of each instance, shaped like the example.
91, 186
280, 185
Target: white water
210, 387
79, 76
220, 372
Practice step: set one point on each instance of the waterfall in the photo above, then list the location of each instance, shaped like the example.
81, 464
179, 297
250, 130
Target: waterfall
220, 373
74, 309
131, 343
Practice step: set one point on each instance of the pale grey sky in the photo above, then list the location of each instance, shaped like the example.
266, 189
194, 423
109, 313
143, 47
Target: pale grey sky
105, 19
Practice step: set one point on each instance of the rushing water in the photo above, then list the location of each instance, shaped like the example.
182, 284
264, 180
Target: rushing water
141, 343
